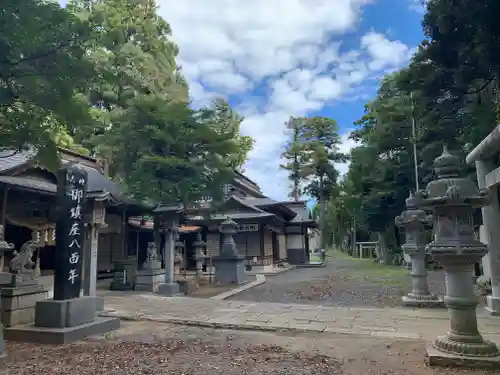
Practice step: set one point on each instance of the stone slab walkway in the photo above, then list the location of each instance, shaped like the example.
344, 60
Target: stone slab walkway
388, 322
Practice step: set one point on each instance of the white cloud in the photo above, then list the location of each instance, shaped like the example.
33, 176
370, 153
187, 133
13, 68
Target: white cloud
419, 6
346, 146
290, 50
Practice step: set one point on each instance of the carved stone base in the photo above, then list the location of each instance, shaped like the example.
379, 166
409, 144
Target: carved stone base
412, 300
469, 346
435, 357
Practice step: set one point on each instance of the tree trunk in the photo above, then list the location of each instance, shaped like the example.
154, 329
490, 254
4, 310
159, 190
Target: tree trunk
386, 243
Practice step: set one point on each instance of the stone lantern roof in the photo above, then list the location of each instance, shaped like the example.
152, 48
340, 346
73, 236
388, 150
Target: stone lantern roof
413, 212
449, 182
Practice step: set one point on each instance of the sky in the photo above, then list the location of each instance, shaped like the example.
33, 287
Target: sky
273, 59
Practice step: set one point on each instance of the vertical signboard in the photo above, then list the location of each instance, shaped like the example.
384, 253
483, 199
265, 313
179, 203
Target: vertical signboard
70, 236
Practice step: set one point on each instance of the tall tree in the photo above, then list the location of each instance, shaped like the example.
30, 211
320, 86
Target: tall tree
42, 65
227, 123
174, 156
321, 151
293, 155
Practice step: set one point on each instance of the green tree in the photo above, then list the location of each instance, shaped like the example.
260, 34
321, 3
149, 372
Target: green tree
321, 150
42, 66
227, 123
173, 156
293, 155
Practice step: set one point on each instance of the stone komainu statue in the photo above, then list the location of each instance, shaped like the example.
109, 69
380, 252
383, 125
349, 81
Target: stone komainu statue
152, 252
22, 260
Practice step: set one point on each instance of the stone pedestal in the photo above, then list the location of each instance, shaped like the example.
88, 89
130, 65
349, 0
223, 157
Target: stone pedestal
229, 265
18, 303
148, 280
64, 321
420, 296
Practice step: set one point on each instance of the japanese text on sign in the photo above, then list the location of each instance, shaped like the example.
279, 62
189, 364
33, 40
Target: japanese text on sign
75, 195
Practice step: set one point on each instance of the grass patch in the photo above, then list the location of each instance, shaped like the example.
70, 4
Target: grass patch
368, 271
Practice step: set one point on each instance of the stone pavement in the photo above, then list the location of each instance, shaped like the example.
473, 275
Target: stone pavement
388, 322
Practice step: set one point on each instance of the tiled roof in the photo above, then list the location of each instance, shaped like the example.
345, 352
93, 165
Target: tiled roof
10, 159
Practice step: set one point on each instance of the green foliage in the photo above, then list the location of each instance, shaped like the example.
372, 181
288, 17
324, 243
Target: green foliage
450, 90
310, 155
101, 77
42, 66
174, 155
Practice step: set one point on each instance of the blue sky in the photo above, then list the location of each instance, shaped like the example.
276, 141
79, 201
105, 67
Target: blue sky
278, 58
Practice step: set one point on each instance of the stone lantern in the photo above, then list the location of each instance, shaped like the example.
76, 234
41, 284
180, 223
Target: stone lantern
229, 265
179, 253
453, 200
199, 248
416, 222
167, 219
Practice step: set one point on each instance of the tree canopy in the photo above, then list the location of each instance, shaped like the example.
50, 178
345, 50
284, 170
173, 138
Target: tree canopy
449, 91
101, 77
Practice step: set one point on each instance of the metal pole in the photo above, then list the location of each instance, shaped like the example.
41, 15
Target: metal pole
414, 134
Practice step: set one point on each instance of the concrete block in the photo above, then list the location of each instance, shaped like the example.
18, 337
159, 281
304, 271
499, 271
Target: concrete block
58, 336
67, 313
229, 271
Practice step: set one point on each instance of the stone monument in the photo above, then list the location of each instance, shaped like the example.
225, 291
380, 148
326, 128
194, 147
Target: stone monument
415, 222
20, 295
453, 200
151, 275
68, 317
167, 218
229, 265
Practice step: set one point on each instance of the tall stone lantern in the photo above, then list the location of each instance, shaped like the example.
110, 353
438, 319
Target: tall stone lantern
453, 200
416, 223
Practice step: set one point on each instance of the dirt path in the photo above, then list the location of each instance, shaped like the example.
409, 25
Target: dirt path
153, 348
343, 282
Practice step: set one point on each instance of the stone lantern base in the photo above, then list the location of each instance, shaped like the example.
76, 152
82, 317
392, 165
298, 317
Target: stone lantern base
430, 301
435, 357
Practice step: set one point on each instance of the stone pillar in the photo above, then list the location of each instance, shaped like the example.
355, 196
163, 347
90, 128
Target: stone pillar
167, 218
414, 220
199, 247
453, 201
491, 222
229, 265
68, 317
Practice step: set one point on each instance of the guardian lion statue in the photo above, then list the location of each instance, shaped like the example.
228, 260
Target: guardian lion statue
22, 260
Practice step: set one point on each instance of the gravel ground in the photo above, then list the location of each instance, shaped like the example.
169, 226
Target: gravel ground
343, 282
152, 348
